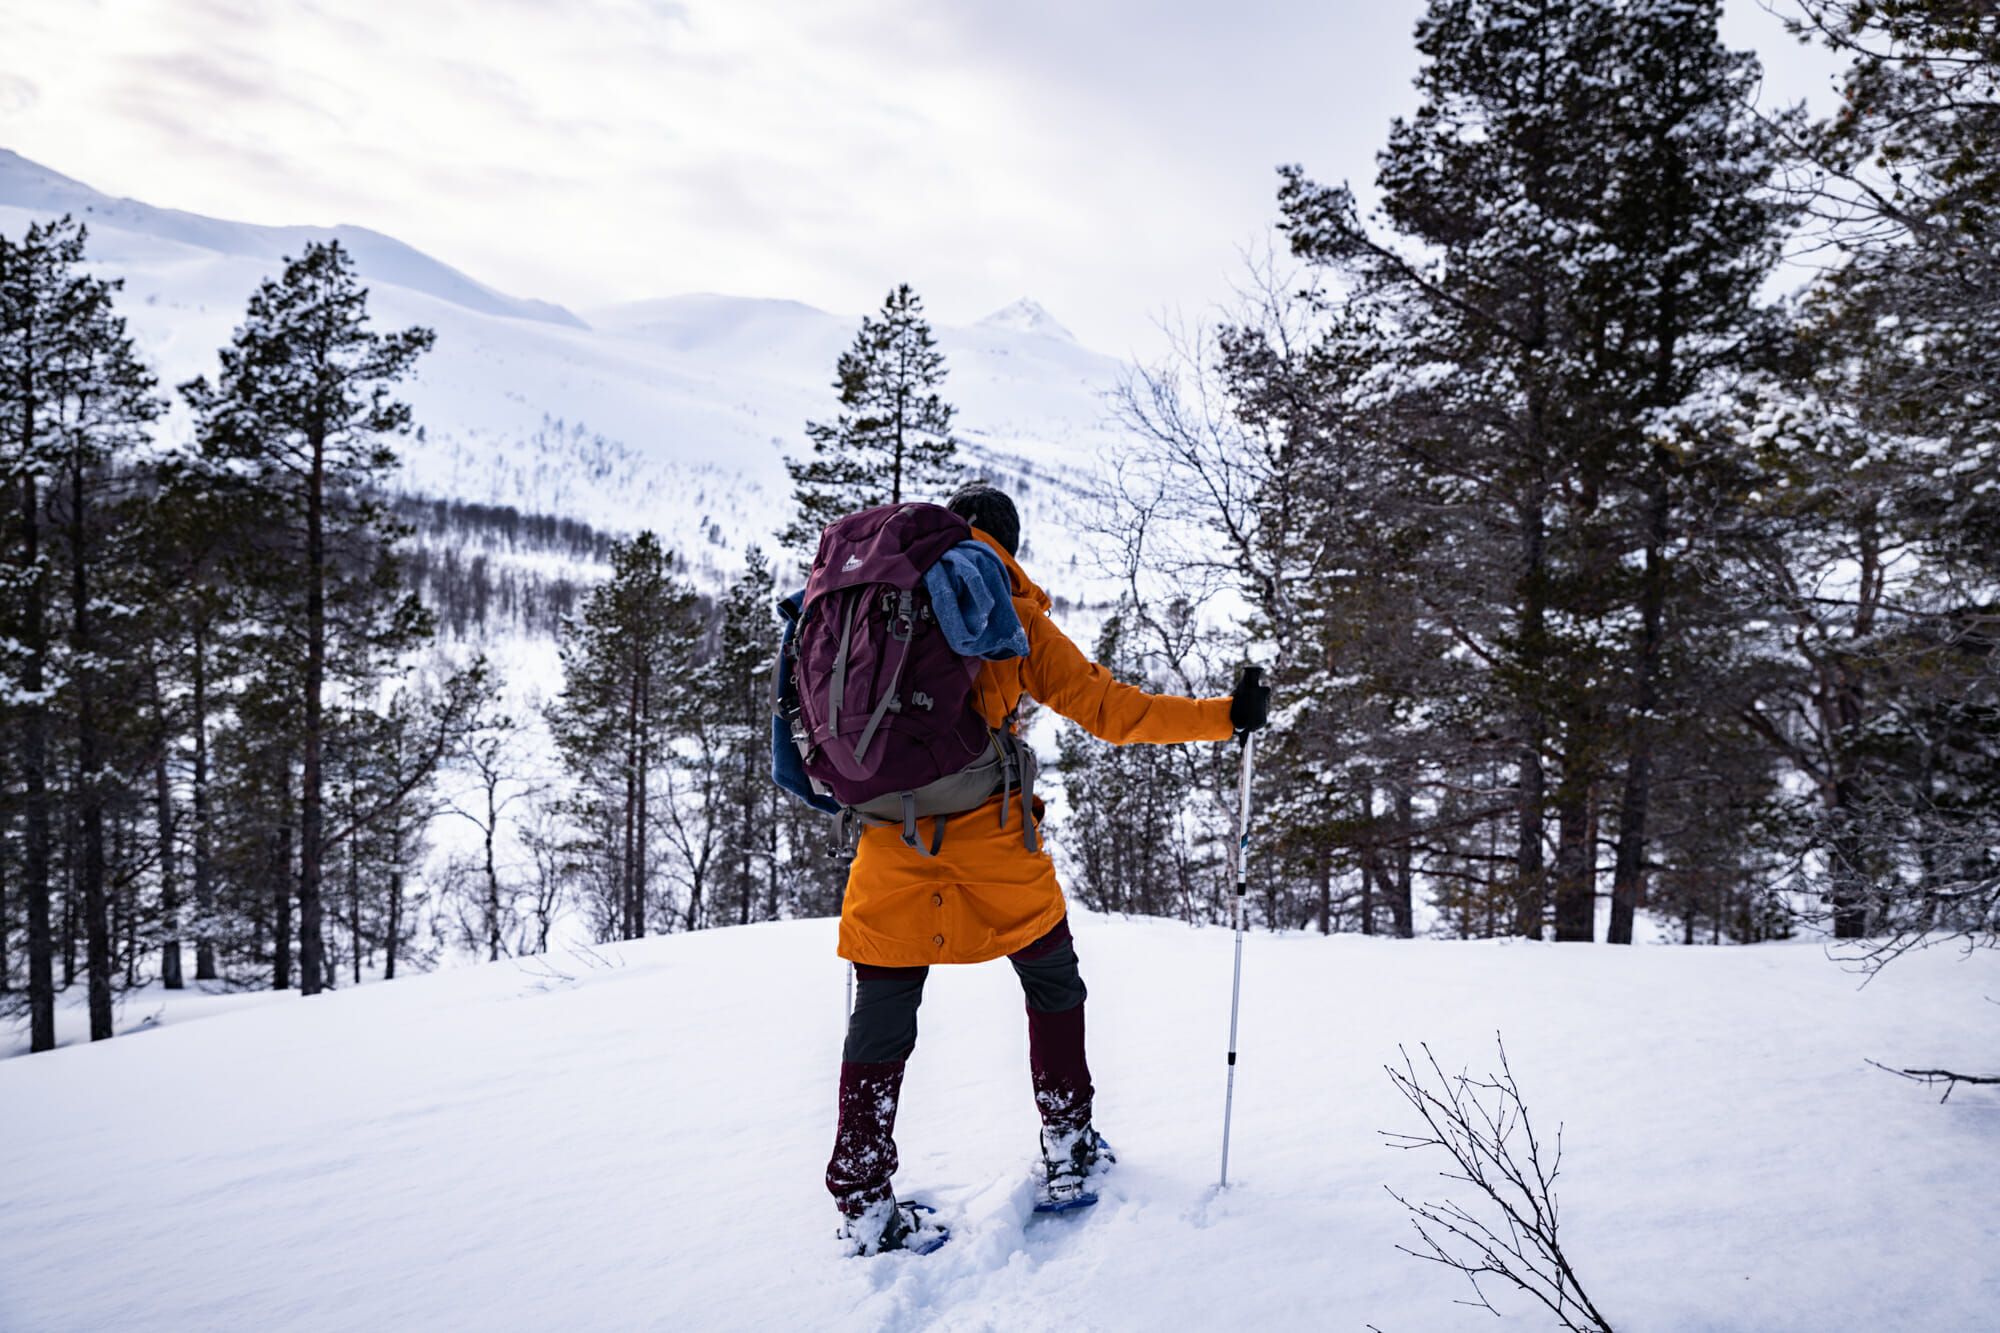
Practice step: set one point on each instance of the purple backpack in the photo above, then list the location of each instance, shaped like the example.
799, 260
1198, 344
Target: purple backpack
879, 704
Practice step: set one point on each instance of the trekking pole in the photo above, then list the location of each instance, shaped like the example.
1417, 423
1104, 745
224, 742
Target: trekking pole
1252, 675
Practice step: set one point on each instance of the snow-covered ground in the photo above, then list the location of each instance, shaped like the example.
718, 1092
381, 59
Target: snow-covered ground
634, 1140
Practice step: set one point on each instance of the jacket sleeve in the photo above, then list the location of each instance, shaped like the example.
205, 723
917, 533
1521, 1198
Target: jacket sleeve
1058, 675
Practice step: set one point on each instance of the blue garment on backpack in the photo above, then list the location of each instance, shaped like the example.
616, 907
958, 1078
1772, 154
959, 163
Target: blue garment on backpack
973, 600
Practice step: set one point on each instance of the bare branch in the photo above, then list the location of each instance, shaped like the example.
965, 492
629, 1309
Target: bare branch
1932, 1077
1483, 1125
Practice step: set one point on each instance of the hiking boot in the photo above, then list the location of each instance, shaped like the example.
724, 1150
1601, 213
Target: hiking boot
892, 1225
1070, 1158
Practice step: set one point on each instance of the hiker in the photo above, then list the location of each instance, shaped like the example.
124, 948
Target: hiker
974, 886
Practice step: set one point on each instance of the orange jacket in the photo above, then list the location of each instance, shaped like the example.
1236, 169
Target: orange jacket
985, 894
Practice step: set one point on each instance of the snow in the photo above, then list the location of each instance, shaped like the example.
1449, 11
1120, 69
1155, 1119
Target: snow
33, 187
665, 414
1026, 316
633, 1138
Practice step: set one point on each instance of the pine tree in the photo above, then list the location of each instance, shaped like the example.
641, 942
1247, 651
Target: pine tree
190, 534
1881, 476
299, 417
737, 686
892, 440
626, 658
1581, 222
74, 404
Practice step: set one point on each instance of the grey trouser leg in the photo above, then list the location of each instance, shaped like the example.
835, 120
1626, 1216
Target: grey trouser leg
883, 1026
1048, 972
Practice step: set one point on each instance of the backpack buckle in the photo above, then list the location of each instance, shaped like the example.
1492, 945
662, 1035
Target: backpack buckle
903, 626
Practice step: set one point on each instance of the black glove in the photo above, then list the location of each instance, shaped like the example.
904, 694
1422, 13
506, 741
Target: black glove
1250, 705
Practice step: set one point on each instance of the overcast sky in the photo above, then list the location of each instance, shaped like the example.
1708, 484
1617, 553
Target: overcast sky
1111, 159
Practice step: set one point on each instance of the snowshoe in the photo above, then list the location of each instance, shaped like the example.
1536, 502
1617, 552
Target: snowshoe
1072, 1161
891, 1225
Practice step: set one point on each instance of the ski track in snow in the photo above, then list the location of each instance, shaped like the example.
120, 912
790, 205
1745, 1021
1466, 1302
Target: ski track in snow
634, 1140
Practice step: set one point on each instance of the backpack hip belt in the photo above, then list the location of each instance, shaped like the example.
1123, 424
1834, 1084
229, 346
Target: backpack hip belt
1010, 769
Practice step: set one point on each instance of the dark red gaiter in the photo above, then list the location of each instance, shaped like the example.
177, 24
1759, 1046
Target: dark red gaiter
864, 1147
1062, 1077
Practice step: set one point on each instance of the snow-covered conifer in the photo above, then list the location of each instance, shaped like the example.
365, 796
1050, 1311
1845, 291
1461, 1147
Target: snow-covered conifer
298, 420
892, 440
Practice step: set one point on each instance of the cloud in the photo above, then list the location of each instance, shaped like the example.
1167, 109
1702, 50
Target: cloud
17, 94
1108, 158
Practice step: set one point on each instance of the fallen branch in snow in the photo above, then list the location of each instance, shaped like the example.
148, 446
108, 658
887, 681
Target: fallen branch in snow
548, 976
1931, 1077
1484, 1125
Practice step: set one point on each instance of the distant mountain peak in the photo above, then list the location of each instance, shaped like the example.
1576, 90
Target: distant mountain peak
1026, 316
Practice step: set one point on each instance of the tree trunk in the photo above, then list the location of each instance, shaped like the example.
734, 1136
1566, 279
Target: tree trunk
1371, 854
89, 760
1576, 863
125, 901
1325, 911
278, 867
492, 878
1529, 889
1848, 707
34, 773
204, 883
6, 955
312, 959
771, 867
163, 819
354, 905
395, 924
746, 859
70, 897
1629, 867
639, 852
1400, 906
628, 888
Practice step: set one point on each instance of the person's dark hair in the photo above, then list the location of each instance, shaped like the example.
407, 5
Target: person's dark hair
988, 508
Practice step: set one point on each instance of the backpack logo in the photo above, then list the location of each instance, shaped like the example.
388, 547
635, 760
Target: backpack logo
853, 563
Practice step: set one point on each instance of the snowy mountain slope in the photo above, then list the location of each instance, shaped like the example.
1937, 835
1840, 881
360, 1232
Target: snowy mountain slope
674, 414
634, 1140
35, 188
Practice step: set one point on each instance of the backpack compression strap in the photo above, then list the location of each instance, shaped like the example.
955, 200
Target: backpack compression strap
851, 610
911, 839
902, 629
1017, 773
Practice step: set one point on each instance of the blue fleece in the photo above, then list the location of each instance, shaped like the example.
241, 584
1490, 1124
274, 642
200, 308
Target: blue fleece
973, 600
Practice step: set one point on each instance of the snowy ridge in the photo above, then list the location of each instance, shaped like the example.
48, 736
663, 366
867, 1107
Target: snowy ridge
32, 187
675, 414
596, 1140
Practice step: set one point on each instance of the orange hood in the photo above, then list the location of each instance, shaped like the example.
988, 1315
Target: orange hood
1025, 589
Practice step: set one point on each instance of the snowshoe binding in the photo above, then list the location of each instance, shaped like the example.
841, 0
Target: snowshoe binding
891, 1225
1072, 1161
